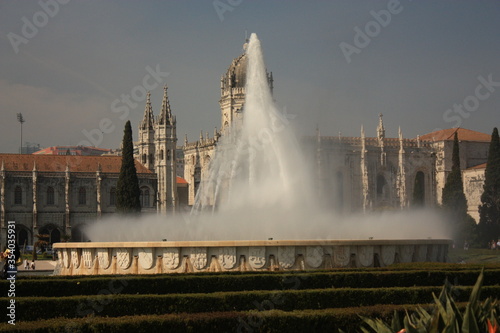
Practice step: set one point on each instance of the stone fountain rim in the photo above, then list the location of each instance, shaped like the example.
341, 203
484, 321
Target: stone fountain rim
239, 243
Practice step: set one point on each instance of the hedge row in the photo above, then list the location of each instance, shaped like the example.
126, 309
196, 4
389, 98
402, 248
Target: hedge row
326, 320
35, 308
168, 284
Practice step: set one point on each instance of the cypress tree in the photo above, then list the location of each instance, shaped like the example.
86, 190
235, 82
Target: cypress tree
455, 203
453, 192
489, 210
127, 188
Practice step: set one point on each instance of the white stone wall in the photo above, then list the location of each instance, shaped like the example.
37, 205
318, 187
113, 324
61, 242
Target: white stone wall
473, 180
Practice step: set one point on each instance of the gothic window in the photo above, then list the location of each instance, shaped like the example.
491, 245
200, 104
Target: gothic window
50, 195
112, 196
340, 190
161, 155
419, 189
82, 196
168, 155
381, 187
143, 158
144, 197
18, 195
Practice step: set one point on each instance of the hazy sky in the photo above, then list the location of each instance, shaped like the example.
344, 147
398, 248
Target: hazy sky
69, 66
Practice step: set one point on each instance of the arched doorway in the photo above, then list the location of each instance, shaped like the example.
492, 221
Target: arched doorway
53, 232
419, 190
78, 235
22, 237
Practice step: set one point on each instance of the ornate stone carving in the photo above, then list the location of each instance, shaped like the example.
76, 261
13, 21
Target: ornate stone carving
123, 258
87, 258
146, 257
227, 257
103, 257
286, 256
406, 253
257, 256
198, 257
314, 256
75, 258
365, 255
65, 257
388, 254
171, 258
421, 253
341, 255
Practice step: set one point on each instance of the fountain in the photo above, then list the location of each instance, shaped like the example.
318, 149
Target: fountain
266, 216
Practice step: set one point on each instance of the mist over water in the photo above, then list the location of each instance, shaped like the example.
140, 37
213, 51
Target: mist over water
262, 188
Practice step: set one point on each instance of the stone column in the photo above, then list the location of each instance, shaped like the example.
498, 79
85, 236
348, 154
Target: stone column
35, 199
98, 189
67, 197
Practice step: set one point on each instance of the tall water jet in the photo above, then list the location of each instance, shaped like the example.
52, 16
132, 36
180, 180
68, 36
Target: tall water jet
257, 164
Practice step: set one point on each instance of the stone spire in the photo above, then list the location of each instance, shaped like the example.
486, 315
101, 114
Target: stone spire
364, 171
148, 120
380, 129
186, 140
401, 176
166, 113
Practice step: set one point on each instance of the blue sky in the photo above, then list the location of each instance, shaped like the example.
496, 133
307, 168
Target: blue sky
428, 65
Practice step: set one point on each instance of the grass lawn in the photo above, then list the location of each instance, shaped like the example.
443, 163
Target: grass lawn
474, 256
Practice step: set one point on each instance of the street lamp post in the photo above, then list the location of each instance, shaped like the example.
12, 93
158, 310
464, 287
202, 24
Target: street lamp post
21, 120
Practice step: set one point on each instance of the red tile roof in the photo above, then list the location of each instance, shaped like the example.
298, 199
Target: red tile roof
479, 166
463, 135
181, 180
58, 163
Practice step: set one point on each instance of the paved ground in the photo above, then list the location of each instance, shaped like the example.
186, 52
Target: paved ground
40, 265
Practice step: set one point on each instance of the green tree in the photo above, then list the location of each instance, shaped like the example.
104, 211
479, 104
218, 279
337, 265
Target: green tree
127, 188
40, 243
489, 210
454, 201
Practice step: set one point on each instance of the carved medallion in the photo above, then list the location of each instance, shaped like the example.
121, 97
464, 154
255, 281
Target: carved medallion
388, 254
65, 257
87, 258
421, 253
406, 253
314, 256
341, 255
75, 258
198, 257
365, 255
123, 258
171, 258
146, 257
286, 256
257, 256
103, 257
227, 257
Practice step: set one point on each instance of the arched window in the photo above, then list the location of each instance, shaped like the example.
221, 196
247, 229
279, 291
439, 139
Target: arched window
168, 155
82, 196
340, 190
50, 195
419, 189
144, 197
161, 155
112, 196
381, 187
18, 195
143, 158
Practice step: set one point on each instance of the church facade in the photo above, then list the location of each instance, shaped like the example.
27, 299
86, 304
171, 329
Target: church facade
58, 195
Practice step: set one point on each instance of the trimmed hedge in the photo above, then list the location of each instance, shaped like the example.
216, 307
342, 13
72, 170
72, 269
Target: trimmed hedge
327, 320
35, 308
168, 284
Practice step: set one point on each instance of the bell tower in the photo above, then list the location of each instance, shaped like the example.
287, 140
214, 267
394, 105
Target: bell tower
165, 165
147, 136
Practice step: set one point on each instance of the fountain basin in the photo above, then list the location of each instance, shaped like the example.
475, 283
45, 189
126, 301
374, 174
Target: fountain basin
97, 258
